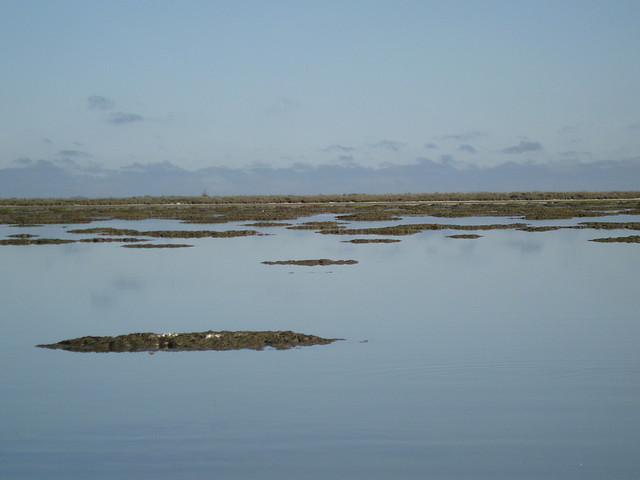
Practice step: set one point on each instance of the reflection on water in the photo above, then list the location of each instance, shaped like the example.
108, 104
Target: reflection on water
513, 355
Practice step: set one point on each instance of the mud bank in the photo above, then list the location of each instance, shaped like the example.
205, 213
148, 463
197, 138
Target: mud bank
197, 341
312, 263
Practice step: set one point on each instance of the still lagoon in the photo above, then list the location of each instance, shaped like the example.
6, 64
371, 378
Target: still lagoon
512, 355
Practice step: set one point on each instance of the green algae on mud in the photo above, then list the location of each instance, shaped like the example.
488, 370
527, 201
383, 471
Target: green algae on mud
194, 341
311, 263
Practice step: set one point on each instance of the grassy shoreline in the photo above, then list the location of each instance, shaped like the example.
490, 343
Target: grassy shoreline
353, 207
343, 198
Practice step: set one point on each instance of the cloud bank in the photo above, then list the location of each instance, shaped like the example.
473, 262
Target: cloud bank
523, 147
43, 178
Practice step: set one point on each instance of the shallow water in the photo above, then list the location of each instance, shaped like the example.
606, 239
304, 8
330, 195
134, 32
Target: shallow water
514, 355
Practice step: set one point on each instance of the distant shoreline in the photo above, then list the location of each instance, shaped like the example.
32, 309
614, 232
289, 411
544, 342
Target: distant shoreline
360, 198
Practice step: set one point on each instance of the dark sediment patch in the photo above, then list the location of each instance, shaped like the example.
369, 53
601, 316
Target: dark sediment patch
198, 233
35, 241
22, 235
107, 231
611, 225
540, 229
629, 239
469, 236
195, 341
268, 224
111, 239
317, 226
372, 240
312, 263
167, 233
411, 229
370, 216
157, 245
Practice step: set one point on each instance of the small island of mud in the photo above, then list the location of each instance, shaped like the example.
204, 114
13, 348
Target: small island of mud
372, 240
469, 236
312, 263
629, 239
158, 245
195, 341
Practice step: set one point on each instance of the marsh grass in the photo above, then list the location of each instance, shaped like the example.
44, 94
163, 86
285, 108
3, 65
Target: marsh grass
212, 209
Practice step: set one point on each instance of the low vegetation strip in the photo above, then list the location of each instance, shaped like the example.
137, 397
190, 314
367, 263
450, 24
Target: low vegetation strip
351, 207
196, 341
339, 198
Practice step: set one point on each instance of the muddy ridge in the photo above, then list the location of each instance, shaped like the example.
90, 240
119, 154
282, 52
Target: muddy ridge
312, 263
194, 341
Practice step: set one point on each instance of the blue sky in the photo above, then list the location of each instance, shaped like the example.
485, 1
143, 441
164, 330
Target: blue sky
94, 85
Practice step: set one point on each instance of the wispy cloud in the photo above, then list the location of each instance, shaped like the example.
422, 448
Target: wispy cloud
98, 102
122, 118
430, 146
523, 147
282, 105
338, 148
462, 137
73, 153
389, 145
574, 153
346, 160
467, 148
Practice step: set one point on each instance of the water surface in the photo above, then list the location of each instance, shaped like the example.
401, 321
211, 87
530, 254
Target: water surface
514, 355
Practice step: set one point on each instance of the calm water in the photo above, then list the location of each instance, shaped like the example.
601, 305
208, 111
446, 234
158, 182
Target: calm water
512, 356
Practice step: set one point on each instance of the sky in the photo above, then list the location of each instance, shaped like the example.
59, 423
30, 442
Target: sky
225, 90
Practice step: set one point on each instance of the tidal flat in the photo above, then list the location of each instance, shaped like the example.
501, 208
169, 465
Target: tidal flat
514, 355
347, 211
